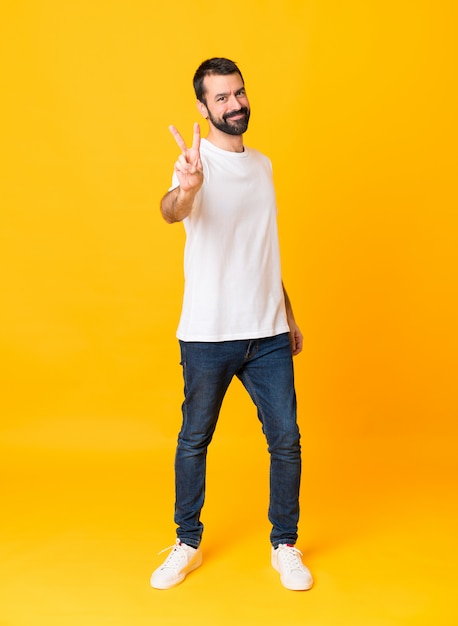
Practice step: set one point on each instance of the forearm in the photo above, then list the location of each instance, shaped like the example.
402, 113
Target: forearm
177, 204
288, 306
295, 335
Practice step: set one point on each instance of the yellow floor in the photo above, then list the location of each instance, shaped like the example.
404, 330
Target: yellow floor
85, 514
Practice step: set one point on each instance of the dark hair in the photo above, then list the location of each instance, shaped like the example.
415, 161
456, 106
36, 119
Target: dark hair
217, 65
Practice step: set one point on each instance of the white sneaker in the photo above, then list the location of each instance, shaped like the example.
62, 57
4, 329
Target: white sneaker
286, 559
182, 560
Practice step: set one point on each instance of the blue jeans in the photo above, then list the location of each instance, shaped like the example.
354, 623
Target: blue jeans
265, 367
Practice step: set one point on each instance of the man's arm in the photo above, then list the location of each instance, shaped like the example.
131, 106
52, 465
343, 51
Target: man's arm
295, 335
177, 204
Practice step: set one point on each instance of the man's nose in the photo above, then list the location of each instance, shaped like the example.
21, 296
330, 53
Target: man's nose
234, 103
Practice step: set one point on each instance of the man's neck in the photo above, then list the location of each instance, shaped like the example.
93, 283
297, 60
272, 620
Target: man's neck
231, 143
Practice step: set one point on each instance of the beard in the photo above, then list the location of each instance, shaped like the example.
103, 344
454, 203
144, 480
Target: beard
229, 126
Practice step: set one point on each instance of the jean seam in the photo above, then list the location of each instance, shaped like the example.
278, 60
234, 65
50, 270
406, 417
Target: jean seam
252, 390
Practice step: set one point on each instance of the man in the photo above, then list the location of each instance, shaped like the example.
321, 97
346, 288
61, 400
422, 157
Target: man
236, 318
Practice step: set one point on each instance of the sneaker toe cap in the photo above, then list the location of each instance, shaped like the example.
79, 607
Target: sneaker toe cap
298, 580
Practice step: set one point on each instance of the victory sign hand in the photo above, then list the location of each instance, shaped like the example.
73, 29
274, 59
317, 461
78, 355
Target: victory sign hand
189, 166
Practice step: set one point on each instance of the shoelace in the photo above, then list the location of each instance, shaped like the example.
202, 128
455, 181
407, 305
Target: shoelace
291, 557
176, 558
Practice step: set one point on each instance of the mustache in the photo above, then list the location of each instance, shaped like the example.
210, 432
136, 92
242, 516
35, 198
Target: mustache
243, 110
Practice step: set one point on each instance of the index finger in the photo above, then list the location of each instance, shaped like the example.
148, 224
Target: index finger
196, 137
178, 138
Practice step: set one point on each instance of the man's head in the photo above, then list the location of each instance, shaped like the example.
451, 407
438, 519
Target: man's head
221, 96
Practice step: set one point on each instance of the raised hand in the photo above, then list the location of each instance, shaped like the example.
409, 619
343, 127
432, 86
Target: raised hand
188, 167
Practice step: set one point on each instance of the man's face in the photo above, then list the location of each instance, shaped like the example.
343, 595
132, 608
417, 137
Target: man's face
226, 103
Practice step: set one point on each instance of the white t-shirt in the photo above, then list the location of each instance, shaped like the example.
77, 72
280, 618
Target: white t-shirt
233, 288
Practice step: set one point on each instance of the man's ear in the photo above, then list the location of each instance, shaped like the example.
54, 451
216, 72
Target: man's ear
202, 109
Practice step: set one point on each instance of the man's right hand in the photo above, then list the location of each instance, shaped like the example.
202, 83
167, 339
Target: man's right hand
188, 167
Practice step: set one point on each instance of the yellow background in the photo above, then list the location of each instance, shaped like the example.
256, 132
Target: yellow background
355, 102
